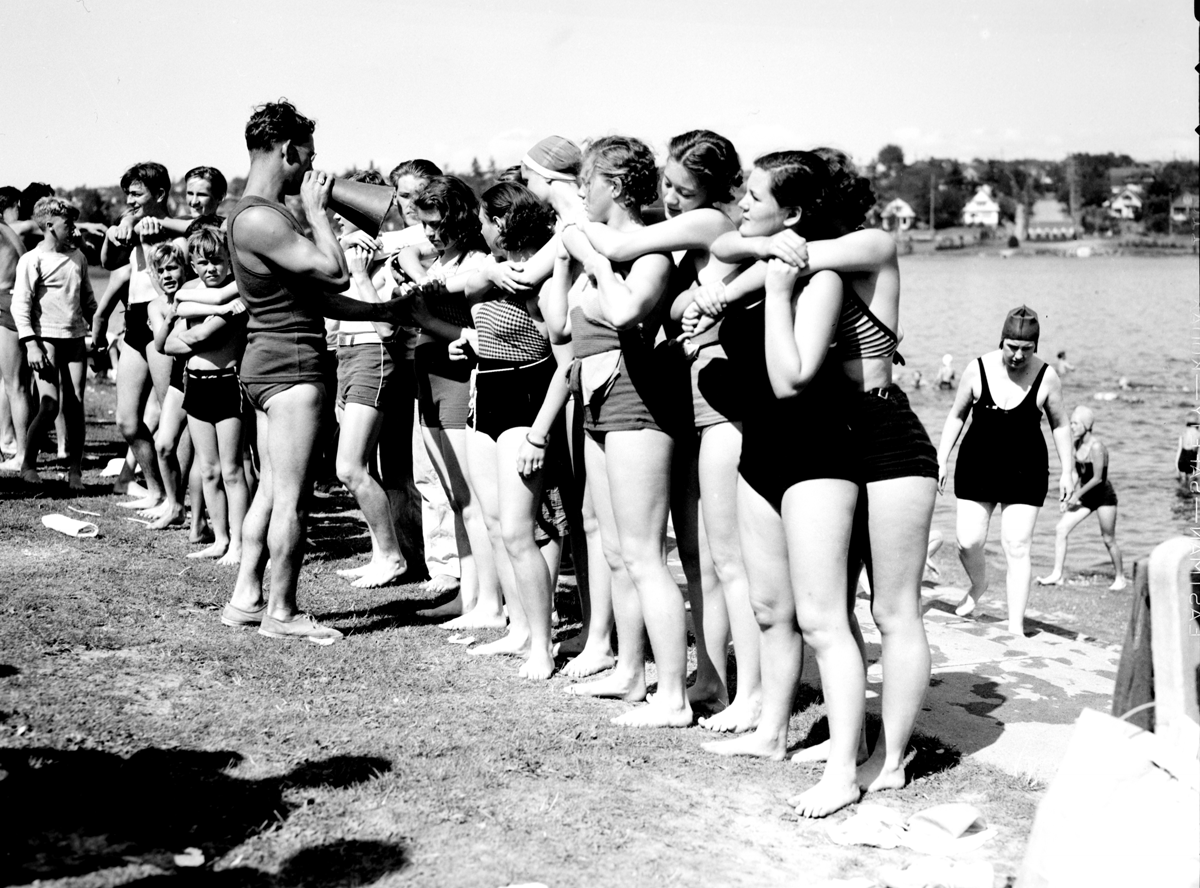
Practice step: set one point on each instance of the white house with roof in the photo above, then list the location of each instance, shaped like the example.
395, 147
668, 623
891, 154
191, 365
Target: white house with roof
1048, 220
982, 209
1185, 208
898, 216
1126, 204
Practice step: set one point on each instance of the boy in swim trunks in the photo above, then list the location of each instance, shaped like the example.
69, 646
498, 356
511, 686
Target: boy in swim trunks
213, 399
53, 306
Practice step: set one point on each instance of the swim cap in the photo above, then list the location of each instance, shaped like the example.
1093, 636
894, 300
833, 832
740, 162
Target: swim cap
1022, 325
554, 158
947, 360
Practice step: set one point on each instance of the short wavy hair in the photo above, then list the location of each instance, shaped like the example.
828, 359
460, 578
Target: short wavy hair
160, 253
629, 161
211, 175
418, 167
369, 177
206, 242
525, 222
277, 122
48, 207
712, 160
10, 196
459, 208
153, 176
801, 179
850, 195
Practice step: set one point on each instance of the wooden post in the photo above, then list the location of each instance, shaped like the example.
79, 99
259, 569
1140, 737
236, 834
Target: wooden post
1175, 634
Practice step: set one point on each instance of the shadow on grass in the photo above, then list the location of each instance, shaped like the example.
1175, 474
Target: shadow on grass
75, 812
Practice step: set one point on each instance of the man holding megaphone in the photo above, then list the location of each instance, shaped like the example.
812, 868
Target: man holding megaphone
289, 284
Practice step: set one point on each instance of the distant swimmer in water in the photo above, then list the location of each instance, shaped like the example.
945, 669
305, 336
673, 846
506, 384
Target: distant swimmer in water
918, 380
1186, 452
1062, 365
1094, 493
946, 377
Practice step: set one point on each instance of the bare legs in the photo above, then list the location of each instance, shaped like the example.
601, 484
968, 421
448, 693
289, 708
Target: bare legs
18, 387
60, 382
1016, 536
357, 443
899, 512
219, 459
133, 390
1071, 519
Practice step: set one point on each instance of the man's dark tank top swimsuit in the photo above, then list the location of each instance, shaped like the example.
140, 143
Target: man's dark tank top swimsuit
285, 341
1003, 455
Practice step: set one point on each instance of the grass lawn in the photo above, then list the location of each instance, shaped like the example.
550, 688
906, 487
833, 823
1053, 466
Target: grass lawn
133, 727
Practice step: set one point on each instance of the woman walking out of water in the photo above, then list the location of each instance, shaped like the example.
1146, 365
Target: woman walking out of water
1094, 494
1003, 458
614, 315
702, 171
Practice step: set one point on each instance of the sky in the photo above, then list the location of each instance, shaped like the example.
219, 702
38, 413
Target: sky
97, 85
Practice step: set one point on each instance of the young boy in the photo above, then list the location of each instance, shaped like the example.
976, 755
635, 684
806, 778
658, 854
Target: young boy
213, 402
53, 306
168, 264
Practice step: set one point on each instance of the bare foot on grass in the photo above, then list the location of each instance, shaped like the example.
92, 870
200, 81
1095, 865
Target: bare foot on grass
611, 687
539, 666
168, 518
874, 776
829, 795
656, 713
380, 573
30, 476
353, 573
1054, 578
571, 647
509, 645
148, 501
967, 605
11, 465
738, 717
478, 618
1119, 584
75, 479
591, 659
707, 698
216, 550
754, 745
232, 558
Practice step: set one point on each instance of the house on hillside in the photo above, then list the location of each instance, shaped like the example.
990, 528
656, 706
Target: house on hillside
1186, 208
1126, 204
898, 216
982, 209
1048, 220
1136, 177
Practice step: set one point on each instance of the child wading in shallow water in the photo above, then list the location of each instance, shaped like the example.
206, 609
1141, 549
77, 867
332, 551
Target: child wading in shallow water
53, 306
213, 399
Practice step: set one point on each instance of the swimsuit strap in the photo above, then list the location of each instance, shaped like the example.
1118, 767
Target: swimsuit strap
985, 396
1033, 389
860, 334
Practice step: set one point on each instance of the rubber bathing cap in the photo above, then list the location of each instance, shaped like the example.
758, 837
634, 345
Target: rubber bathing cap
555, 157
1021, 324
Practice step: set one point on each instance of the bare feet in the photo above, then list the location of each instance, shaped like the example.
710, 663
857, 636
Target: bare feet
611, 687
477, 618
353, 573
380, 573
169, 518
590, 661
509, 645
707, 698
755, 745
11, 465
149, 501
157, 511
539, 665
232, 558
968, 602
829, 795
819, 752
1054, 578
571, 647
129, 488
440, 585
1119, 584
200, 533
75, 479
1017, 627
656, 713
30, 476
875, 776
738, 717
216, 550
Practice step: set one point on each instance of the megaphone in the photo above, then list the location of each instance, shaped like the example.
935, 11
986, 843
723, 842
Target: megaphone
362, 204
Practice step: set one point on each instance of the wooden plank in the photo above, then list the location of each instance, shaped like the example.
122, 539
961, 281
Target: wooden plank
1175, 633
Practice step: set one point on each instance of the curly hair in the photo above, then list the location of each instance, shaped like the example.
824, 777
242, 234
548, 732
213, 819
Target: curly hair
418, 167
712, 160
206, 242
213, 177
370, 177
277, 122
801, 179
459, 208
629, 161
153, 177
47, 207
525, 222
850, 195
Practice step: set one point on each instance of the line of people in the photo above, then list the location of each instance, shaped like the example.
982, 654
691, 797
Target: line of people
581, 371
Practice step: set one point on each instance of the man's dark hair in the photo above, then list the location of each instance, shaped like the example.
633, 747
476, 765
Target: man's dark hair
10, 196
31, 194
209, 220
277, 122
153, 176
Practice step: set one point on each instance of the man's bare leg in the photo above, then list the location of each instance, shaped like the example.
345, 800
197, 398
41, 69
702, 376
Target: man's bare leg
17, 385
133, 390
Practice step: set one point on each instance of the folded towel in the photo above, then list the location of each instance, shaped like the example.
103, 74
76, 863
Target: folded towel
70, 526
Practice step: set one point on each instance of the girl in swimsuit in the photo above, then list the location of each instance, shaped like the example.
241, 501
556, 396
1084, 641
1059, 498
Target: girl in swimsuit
1094, 494
1003, 458
896, 458
701, 174
612, 314
1186, 451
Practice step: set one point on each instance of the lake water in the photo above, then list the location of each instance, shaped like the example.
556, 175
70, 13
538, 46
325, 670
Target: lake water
1115, 316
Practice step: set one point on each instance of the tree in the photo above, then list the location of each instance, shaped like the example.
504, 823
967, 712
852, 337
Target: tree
891, 157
